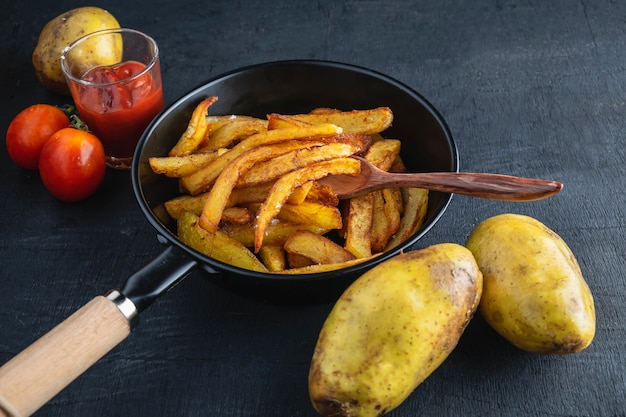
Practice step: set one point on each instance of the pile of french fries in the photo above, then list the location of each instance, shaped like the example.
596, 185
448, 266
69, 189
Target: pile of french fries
251, 196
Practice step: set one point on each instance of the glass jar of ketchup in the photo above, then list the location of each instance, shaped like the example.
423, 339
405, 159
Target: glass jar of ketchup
114, 77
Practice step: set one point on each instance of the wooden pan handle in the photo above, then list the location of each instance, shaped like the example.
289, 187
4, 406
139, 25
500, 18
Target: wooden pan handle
43, 369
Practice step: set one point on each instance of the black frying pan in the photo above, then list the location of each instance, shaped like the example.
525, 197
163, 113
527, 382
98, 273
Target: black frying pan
38, 373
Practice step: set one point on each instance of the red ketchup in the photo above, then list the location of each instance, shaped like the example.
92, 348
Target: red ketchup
119, 113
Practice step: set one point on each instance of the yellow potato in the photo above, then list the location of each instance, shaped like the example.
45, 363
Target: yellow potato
535, 295
391, 329
65, 29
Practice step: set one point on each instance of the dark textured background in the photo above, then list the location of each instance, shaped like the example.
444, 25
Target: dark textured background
532, 88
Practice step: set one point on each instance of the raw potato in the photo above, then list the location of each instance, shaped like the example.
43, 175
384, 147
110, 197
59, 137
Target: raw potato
534, 295
63, 30
391, 329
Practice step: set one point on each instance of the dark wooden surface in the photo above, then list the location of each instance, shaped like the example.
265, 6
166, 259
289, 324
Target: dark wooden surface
531, 88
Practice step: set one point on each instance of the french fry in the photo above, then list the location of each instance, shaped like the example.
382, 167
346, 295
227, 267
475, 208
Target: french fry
218, 197
383, 153
237, 215
317, 248
217, 245
359, 225
185, 203
314, 269
415, 206
237, 128
308, 212
273, 257
356, 121
180, 166
323, 194
385, 218
265, 171
297, 261
196, 130
285, 185
280, 121
202, 179
313, 213
379, 232
276, 233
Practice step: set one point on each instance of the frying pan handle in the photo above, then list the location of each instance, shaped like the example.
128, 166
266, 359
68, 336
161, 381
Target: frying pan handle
43, 369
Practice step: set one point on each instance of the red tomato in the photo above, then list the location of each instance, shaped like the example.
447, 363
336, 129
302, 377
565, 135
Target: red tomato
30, 129
72, 164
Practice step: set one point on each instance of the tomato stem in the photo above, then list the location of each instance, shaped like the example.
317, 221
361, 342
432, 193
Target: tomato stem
75, 120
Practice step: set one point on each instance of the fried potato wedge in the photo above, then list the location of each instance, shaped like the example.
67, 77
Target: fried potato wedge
358, 226
218, 246
218, 196
202, 179
313, 213
415, 206
382, 153
356, 121
180, 166
196, 130
265, 171
176, 206
281, 121
385, 218
273, 257
237, 128
317, 248
285, 185
313, 269
276, 233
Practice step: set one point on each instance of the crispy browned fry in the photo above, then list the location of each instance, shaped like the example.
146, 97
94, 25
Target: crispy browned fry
273, 257
379, 232
202, 179
196, 130
297, 261
358, 226
218, 197
313, 269
308, 212
237, 128
276, 233
178, 205
323, 194
356, 121
280, 121
285, 185
280, 165
317, 248
237, 215
217, 245
300, 194
415, 205
246, 195
393, 207
385, 217
180, 166
383, 153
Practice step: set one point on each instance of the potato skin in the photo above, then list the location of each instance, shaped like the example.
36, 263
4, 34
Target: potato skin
391, 329
59, 33
534, 292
